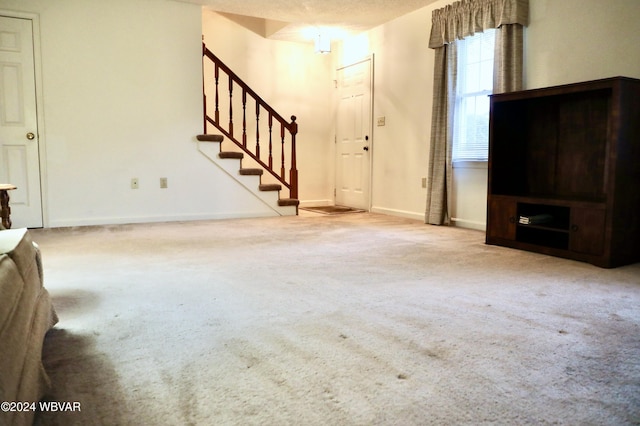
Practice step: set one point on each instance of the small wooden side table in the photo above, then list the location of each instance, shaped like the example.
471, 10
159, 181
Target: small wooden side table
5, 210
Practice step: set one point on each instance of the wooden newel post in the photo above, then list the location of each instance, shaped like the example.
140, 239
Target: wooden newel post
204, 93
293, 174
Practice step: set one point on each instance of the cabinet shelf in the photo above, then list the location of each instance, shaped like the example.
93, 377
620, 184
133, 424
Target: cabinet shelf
543, 237
544, 228
568, 152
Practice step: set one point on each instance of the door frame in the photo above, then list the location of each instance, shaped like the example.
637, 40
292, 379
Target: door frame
37, 65
370, 59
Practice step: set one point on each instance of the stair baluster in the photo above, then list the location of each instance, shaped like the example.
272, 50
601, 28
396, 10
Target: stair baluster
231, 107
270, 141
282, 150
244, 117
257, 130
217, 111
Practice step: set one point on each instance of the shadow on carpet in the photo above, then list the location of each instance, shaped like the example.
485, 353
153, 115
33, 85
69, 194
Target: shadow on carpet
81, 375
332, 209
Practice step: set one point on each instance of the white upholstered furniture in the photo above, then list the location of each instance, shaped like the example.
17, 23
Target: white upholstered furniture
26, 314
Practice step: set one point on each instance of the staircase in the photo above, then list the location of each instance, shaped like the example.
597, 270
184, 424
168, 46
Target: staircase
245, 150
231, 162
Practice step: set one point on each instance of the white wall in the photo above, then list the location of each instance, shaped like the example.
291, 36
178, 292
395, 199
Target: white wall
294, 81
579, 40
403, 83
567, 41
122, 98
402, 94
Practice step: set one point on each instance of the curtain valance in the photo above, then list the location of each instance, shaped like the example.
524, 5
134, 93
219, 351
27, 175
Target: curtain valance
466, 17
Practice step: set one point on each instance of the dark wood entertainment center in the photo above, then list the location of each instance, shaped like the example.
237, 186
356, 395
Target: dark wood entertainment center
564, 171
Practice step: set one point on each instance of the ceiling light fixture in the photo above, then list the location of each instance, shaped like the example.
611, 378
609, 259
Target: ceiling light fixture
323, 43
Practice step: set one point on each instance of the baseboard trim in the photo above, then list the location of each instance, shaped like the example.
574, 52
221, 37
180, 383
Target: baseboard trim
400, 213
156, 219
470, 224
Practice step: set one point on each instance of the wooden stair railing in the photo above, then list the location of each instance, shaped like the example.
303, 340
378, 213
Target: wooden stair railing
251, 125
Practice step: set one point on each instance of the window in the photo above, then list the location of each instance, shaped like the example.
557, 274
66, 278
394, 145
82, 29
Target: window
475, 83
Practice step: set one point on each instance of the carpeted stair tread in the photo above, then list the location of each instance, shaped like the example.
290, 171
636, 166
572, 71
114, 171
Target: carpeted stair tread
288, 202
270, 187
251, 172
210, 138
231, 154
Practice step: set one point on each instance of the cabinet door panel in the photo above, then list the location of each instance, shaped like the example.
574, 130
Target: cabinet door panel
587, 230
501, 220
582, 145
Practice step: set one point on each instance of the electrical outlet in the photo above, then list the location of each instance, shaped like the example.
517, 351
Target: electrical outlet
134, 183
163, 182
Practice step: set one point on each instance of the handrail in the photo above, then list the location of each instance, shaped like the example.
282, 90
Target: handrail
254, 152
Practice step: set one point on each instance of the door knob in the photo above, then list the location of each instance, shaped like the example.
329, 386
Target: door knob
31, 136
365, 148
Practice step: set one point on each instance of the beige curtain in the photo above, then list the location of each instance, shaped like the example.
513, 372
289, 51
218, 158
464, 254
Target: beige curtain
454, 22
440, 165
508, 59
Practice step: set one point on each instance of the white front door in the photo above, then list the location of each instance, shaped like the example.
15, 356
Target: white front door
19, 151
353, 136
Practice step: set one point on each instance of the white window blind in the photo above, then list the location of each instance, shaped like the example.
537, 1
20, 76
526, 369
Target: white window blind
475, 83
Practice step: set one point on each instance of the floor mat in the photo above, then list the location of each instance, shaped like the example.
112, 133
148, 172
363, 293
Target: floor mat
332, 209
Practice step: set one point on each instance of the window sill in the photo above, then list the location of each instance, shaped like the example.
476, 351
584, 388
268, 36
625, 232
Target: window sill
470, 164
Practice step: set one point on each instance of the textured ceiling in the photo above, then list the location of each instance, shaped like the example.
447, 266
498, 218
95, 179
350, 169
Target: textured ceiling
287, 18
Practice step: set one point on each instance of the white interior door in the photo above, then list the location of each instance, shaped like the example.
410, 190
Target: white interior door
19, 151
353, 137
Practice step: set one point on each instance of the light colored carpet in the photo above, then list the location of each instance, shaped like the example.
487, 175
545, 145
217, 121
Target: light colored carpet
333, 320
